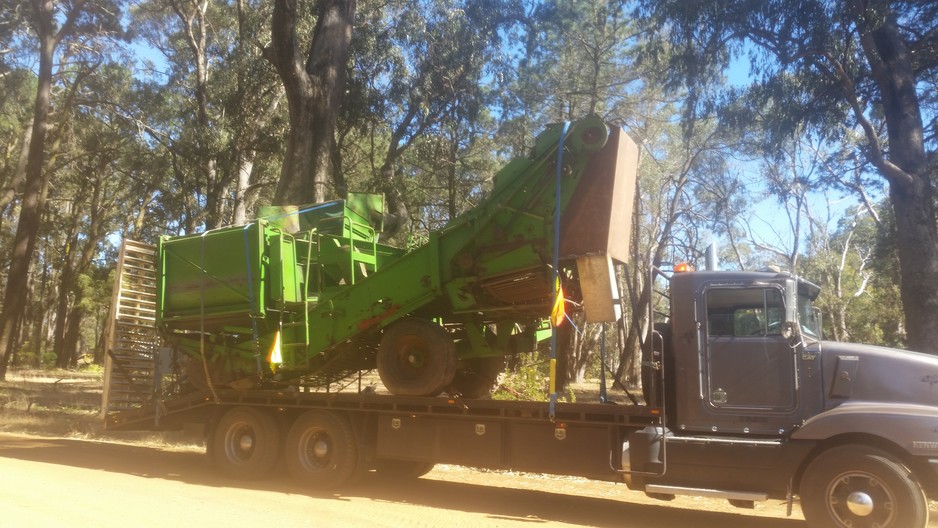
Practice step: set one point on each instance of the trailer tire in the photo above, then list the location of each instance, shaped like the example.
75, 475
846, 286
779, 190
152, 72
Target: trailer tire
387, 468
416, 357
856, 485
477, 377
245, 443
321, 452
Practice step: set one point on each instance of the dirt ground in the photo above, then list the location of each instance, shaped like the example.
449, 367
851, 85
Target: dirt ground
60, 469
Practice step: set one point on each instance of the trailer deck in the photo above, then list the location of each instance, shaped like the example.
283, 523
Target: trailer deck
173, 412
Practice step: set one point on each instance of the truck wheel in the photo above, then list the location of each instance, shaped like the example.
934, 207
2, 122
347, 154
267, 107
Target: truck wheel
416, 358
320, 450
387, 468
246, 443
477, 377
857, 486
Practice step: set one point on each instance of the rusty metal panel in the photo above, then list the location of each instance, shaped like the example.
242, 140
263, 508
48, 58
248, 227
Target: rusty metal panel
599, 288
599, 218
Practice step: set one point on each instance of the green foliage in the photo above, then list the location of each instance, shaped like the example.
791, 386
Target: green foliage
29, 356
856, 77
858, 272
172, 134
528, 381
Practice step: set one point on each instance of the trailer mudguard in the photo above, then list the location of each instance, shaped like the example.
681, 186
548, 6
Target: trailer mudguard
914, 428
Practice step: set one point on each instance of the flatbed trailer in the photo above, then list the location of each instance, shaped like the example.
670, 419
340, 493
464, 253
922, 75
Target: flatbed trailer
579, 439
742, 398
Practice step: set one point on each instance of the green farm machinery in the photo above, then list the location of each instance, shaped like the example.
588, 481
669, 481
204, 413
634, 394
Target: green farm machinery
309, 295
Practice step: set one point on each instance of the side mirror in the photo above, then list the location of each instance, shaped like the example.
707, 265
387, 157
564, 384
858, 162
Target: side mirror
789, 330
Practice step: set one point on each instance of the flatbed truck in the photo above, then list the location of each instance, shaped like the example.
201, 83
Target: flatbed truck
741, 399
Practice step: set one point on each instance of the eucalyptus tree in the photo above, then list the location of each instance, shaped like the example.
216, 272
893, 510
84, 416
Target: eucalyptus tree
15, 132
580, 58
825, 65
95, 182
80, 29
451, 169
314, 82
577, 60
418, 87
673, 201
221, 96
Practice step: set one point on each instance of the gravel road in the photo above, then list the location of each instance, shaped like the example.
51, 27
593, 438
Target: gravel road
61, 482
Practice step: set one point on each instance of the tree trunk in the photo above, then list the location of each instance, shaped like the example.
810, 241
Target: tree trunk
314, 93
72, 334
297, 177
66, 286
911, 190
245, 169
15, 184
916, 241
27, 230
451, 162
396, 213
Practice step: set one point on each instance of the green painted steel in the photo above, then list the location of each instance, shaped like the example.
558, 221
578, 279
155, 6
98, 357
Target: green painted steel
317, 276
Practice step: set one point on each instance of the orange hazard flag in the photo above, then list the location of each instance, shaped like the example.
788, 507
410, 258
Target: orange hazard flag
557, 313
274, 358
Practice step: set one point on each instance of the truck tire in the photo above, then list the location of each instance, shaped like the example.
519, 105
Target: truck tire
387, 468
416, 357
320, 450
859, 486
477, 377
245, 443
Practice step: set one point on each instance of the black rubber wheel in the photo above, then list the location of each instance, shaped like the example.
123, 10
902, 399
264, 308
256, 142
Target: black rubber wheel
477, 377
402, 469
245, 443
861, 487
416, 358
320, 450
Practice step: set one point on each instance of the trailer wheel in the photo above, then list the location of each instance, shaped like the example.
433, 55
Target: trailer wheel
402, 469
246, 443
320, 450
477, 377
858, 486
416, 358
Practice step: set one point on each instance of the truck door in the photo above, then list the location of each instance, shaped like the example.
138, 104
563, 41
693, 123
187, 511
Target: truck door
748, 371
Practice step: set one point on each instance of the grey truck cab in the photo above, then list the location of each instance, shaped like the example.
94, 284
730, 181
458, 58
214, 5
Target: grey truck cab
757, 405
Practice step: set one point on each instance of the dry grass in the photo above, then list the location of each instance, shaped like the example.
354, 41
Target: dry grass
64, 403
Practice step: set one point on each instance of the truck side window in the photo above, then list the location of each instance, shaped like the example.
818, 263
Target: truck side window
741, 312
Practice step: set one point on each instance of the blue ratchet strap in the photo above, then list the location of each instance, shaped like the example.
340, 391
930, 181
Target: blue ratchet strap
556, 274
575, 327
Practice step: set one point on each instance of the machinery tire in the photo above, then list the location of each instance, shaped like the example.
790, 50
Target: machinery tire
477, 377
387, 468
859, 486
245, 443
320, 451
416, 358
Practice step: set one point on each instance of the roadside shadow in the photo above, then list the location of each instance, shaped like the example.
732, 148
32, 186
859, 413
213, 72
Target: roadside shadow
497, 503
538, 506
